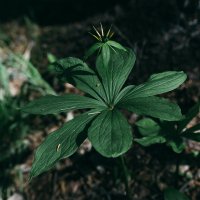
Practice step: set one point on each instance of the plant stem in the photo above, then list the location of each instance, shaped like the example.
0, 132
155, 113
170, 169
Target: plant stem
126, 177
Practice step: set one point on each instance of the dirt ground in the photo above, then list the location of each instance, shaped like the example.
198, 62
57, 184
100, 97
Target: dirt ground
164, 36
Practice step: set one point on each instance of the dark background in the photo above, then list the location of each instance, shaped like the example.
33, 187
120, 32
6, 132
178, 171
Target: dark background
62, 11
54, 11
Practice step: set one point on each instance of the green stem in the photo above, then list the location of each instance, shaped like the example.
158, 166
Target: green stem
126, 177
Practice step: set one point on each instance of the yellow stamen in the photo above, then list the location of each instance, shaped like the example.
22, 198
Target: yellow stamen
107, 35
111, 34
99, 39
102, 33
97, 32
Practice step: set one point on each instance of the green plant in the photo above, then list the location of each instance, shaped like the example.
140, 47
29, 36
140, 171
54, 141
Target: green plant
104, 125
172, 133
11, 119
30, 72
12, 129
13, 124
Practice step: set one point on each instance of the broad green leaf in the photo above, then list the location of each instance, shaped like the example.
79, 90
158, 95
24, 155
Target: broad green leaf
61, 143
51, 104
115, 44
176, 144
105, 48
110, 134
149, 140
93, 49
189, 116
148, 127
153, 106
173, 194
106, 53
123, 93
77, 73
115, 73
157, 84
192, 133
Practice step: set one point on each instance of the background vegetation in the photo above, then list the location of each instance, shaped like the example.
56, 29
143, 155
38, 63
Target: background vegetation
165, 35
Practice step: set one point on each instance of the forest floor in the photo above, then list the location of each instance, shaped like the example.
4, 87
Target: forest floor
160, 44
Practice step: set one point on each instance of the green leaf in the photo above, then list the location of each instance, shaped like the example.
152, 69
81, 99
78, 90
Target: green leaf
61, 143
148, 127
115, 44
93, 49
77, 73
189, 116
157, 84
149, 140
51, 58
115, 73
173, 194
176, 144
153, 106
122, 94
106, 53
4, 81
110, 134
51, 104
